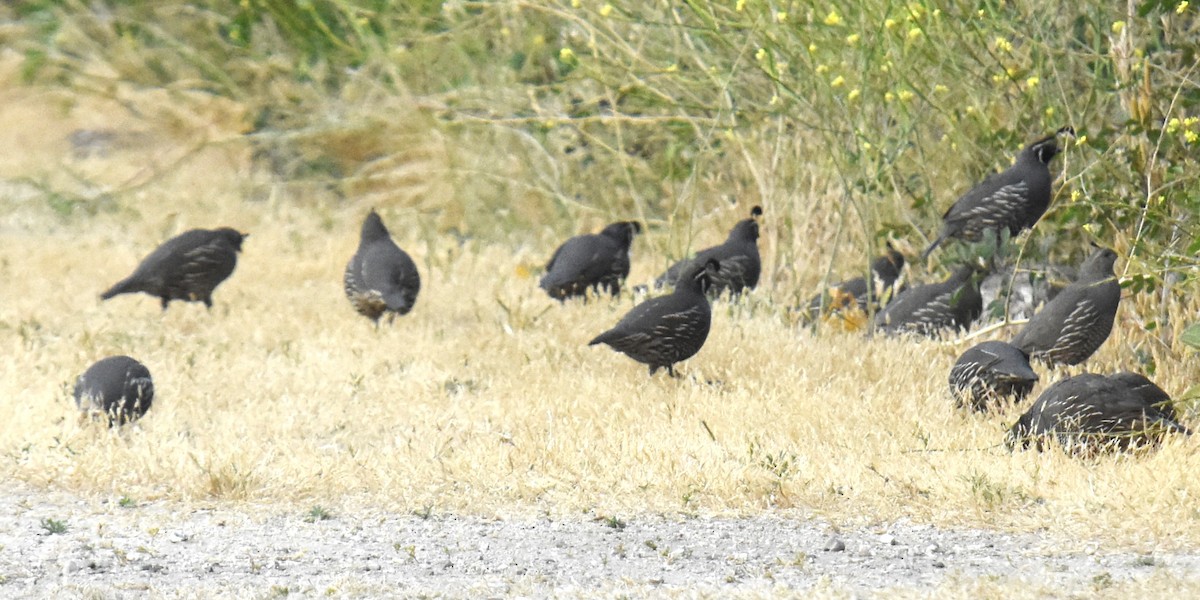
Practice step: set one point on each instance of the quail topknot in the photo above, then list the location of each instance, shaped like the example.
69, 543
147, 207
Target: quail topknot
597, 261
738, 257
380, 277
1072, 326
990, 374
1091, 413
885, 270
118, 389
1013, 199
665, 330
930, 308
186, 267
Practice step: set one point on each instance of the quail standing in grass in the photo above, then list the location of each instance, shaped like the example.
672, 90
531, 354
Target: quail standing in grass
885, 270
380, 277
1090, 413
186, 267
597, 261
118, 389
990, 374
1013, 199
665, 330
930, 308
738, 257
1072, 326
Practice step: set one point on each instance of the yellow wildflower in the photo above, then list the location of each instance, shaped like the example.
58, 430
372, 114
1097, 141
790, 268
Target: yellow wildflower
1003, 44
822, 69
915, 33
852, 39
1081, 140
1118, 27
781, 17
888, 97
740, 6
1032, 82
566, 55
606, 10
833, 18
905, 95
1049, 111
889, 24
812, 48
1075, 195
941, 89
1191, 136
1182, 7
838, 81
853, 95
761, 55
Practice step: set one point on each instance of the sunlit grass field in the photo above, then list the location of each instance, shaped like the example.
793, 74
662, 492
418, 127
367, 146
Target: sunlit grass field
486, 399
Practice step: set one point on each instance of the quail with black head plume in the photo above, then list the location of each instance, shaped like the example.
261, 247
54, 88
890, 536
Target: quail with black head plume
668, 329
738, 256
186, 267
380, 278
1013, 199
1072, 326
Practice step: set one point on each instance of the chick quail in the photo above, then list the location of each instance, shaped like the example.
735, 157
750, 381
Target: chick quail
989, 374
1090, 413
597, 261
118, 388
1013, 199
885, 270
380, 277
928, 309
186, 267
1072, 326
665, 330
738, 257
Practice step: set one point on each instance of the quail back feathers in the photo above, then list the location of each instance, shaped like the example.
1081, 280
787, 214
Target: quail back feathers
668, 329
597, 261
186, 267
989, 374
738, 257
118, 387
930, 308
380, 278
1072, 326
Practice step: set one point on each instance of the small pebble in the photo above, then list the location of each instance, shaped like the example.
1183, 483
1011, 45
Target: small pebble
835, 544
889, 539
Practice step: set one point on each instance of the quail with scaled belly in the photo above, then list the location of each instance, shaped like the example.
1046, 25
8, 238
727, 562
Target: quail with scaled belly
930, 308
117, 388
738, 257
989, 374
380, 278
186, 267
1072, 326
1089, 413
597, 261
665, 330
1013, 199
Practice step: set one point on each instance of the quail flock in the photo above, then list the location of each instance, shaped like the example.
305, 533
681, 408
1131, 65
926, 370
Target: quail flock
1087, 412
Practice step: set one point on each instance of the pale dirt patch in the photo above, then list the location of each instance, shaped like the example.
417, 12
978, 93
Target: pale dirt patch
173, 549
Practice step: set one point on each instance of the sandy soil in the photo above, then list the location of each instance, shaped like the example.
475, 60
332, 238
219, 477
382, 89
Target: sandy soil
110, 550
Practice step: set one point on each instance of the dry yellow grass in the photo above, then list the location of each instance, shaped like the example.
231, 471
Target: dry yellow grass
485, 399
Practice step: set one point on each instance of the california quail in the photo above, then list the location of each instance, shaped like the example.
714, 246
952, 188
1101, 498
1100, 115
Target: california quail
885, 270
1149, 392
1091, 412
989, 374
665, 330
1073, 325
738, 256
927, 309
1013, 199
186, 267
596, 261
118, 387
380, 277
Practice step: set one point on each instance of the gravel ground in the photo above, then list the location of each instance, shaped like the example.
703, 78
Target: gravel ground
108, 550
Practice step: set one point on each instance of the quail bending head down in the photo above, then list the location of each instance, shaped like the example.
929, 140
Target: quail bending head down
1092, 413
118, 389
1072, 326
668, 329
598, 261
1012, 200
738, 257
990, 374
186, 267
885, 270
